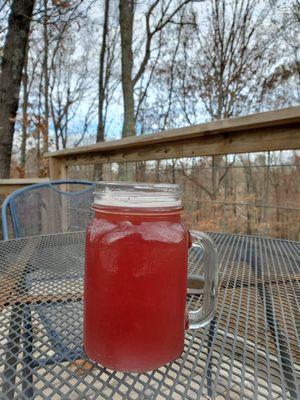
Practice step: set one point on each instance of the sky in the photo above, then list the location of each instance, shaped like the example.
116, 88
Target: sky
87, 43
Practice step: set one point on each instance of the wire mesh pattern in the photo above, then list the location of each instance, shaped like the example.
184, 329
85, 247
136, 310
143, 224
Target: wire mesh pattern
249, 351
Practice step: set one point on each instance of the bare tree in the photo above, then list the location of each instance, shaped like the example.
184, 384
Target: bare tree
98, 170
213, 189
283, 84
11, 74
234, 59
46, 76
126, 9
155, 22
70, 84
235, 56
61, 79
24, 111
4, 11
100, 129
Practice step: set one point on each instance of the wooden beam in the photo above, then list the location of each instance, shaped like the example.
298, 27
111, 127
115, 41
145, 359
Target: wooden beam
8, 186
255, 124
264, 139
57, 169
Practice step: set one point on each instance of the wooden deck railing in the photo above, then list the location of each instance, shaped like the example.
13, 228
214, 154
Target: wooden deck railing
273, 130
8, 186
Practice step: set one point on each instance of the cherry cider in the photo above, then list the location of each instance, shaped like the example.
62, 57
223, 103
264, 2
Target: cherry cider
135, 287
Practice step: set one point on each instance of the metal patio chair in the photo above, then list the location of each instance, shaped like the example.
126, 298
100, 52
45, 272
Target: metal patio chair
48, 207
45, 208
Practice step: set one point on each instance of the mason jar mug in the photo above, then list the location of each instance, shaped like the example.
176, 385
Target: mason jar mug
136, 277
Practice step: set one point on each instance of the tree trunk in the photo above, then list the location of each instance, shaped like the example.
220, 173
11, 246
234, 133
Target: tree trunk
126, 8
46, 78
216, 165
157, 171
248, 193
24, 112
100, 129
140, 171
11, 74
98, 168
173, 170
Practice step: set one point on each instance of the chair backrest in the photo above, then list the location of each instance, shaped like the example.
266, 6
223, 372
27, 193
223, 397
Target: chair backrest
48, 207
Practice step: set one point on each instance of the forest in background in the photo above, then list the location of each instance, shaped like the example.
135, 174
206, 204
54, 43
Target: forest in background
97, 70
254, 194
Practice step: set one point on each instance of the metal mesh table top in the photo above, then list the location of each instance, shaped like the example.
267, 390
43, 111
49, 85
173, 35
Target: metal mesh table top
249, 351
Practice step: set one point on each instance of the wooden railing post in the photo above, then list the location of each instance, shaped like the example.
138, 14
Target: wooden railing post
58, 170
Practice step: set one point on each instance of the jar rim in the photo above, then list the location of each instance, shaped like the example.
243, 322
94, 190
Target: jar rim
138, 185
137, 194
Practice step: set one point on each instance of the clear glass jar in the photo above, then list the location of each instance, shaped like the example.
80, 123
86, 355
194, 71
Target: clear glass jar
136, 277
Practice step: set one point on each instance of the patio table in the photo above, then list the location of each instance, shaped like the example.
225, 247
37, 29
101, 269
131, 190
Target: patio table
249, 351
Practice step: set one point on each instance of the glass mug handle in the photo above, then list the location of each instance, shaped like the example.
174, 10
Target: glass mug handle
206, 283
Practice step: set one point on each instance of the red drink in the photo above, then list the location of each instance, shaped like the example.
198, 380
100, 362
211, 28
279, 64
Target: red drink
135, 287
